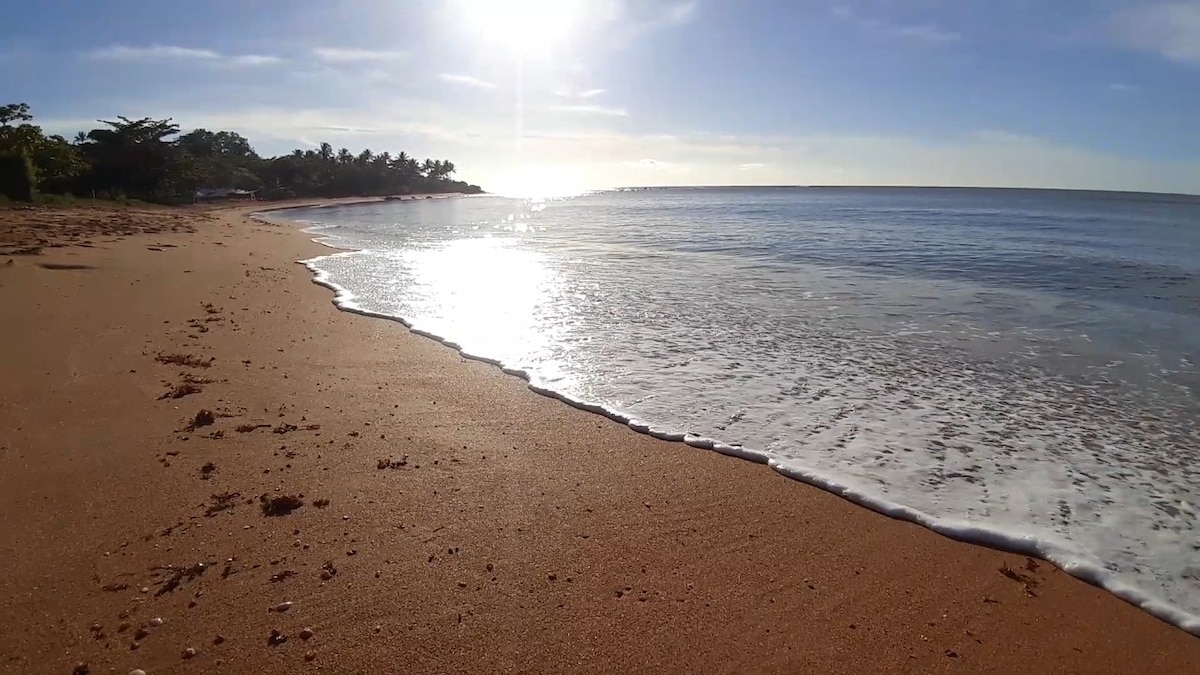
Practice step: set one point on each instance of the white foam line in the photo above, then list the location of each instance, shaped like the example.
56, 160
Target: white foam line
1079, 565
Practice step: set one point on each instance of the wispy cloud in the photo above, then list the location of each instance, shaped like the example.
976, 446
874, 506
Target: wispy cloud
649, 163
466, 80
158, 53
634, 20
1121, 86
925, 33
1171, 30
571, 92
256, 60
152, 52
752, 166
352, 55
679, 13
592, 110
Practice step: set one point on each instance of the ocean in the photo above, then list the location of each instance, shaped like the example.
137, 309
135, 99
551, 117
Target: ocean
1019, 368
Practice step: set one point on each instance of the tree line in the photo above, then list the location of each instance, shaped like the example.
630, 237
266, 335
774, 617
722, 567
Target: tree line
153, 161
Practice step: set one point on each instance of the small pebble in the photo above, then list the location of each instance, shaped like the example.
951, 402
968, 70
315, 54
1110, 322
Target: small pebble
325, 575
81, 668
276, 638
378, 629
137, 671
309, 656
219, 639
145, 589
156, 621
283, 606
306, 634
189, 652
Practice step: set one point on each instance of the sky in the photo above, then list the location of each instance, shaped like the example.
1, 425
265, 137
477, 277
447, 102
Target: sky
554, 96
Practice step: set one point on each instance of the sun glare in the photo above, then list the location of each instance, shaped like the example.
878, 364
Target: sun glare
528, 27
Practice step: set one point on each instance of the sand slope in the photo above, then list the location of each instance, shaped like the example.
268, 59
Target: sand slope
471, 525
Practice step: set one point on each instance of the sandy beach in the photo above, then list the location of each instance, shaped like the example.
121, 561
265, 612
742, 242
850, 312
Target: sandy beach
205, 467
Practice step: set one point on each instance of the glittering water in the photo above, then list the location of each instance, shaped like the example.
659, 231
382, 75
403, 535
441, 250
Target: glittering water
1016, 367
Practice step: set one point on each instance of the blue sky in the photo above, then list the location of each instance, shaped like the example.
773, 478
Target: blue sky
554, 95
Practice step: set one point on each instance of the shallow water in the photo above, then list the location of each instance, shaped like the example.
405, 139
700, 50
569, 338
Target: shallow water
1015, 367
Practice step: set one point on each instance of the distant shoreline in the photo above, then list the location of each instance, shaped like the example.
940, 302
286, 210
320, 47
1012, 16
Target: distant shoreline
898, 187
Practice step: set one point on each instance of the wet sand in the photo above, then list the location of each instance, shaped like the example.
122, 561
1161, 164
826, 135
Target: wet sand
171, 376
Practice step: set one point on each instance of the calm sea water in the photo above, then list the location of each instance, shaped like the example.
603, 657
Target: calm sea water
1020, 368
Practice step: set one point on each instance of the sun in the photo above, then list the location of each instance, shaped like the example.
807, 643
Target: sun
527, 27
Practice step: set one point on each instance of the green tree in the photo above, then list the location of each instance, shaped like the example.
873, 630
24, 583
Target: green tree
54, 160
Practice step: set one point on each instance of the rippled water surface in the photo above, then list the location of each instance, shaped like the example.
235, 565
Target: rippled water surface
1019, 367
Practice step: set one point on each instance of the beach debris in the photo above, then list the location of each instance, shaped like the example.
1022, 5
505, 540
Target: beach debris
284, 428
203, 418
328, 571
276, 638
181, 390
280, 505
190, 652
185, 360
282, 576
247, 428
282, 607
65, 266
389, 463
306, 634
1030, 583
321, 503
222, 501
176, 576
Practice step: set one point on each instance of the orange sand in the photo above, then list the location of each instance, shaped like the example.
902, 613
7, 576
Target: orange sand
505, 531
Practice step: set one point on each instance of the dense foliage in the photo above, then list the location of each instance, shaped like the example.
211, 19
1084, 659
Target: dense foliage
151, 160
